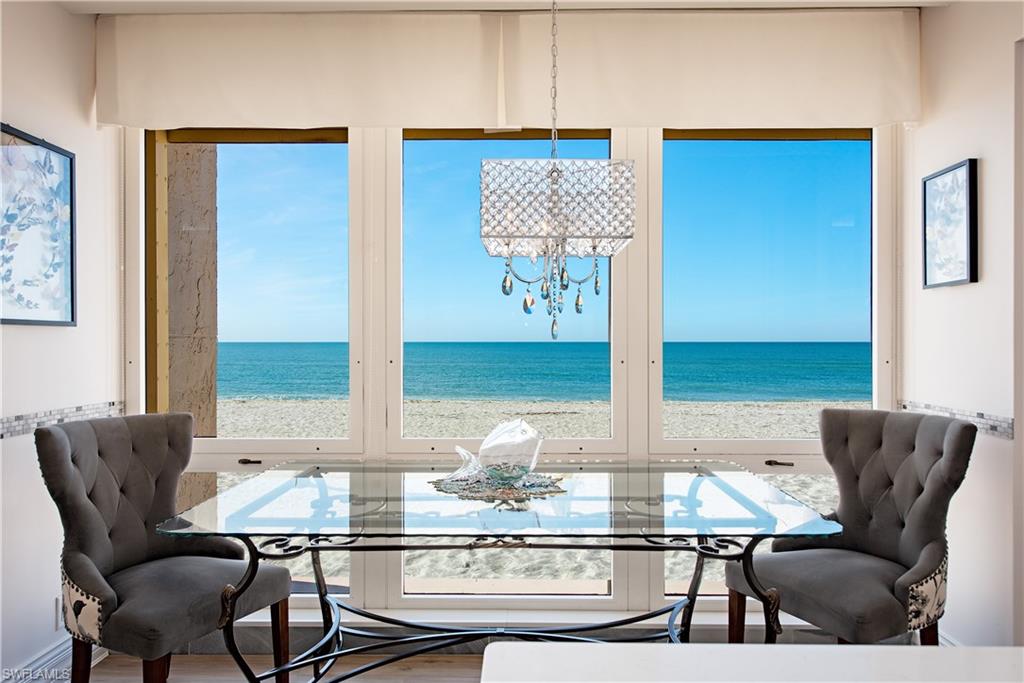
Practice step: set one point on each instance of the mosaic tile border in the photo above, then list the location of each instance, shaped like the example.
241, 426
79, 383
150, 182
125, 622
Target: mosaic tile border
993, 425
16, 425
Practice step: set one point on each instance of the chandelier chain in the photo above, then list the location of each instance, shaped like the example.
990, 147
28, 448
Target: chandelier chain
550, 209
554, 79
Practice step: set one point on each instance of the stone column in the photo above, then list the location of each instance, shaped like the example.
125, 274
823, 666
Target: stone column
192, 297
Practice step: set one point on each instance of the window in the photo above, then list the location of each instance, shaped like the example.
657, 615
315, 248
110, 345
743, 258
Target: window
471, 357
747, 294
766, 258
766, 299
253, 336
258, 291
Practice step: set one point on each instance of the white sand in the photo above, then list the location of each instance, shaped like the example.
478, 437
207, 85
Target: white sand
262, 418
274, 418
585, 571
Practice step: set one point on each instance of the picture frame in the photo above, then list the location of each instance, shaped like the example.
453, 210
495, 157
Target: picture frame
949, 225
37, 231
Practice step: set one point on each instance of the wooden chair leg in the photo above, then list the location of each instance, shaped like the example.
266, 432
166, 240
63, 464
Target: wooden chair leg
930, 634
156, 670
737, 615
279, 634
81, 661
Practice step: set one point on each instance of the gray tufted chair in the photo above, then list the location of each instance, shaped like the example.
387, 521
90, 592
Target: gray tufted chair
125, 587
885, 574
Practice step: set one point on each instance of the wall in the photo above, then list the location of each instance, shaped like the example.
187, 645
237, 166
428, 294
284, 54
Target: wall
48, 90
957, 343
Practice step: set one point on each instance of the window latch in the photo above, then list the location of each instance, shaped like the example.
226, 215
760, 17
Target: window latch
771, 462
249, 461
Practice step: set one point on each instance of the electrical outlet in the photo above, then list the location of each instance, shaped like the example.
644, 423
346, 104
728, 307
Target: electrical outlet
58, 614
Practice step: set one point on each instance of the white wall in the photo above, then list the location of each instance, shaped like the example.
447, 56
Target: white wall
48, 91
957, 343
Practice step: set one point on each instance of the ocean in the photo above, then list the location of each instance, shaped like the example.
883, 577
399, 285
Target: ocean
556, 371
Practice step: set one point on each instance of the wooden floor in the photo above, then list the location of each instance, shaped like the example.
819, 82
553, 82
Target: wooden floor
222, 669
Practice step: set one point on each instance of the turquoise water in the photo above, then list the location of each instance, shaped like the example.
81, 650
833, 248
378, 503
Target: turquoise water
556, 371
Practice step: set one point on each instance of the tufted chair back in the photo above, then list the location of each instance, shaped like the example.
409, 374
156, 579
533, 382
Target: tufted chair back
114, 480
896, 473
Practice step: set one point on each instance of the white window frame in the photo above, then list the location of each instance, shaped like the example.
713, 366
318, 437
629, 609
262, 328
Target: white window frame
375, 343
804, 454
223, 453
752, 452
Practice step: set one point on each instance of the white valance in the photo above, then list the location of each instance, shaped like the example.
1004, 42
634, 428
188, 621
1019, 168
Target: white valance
750, 69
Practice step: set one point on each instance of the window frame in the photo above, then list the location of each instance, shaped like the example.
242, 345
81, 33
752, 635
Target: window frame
748, 451
396, 442
375, 291
223, 453
805, 455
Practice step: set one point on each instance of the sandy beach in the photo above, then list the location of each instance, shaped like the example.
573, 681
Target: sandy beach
574, 571
266, 418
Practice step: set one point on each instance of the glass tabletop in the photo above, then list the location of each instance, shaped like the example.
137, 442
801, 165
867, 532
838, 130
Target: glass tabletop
365, 500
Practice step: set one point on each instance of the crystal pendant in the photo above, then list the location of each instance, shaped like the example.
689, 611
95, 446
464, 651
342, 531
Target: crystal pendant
506, 285
554, 328
528, 303
597, 284
564, 280
551, 305
544, 289
579, 301
561, 302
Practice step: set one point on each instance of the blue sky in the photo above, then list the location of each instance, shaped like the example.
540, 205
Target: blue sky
767, 240
763, 241
282, 242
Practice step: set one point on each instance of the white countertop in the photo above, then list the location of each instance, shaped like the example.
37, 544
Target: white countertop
518, 662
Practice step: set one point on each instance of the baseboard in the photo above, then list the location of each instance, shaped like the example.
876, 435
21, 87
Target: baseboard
54, 661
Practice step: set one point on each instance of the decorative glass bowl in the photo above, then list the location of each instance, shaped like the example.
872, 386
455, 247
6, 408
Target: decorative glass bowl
510, 452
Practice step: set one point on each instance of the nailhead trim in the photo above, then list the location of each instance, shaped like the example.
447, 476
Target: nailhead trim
89, 632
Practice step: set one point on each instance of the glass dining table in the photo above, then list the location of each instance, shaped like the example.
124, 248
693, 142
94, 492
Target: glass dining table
716, 510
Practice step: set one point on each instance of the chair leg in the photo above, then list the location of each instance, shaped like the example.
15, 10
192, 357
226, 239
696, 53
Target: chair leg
81, 661
156, 670
930, 634
279, 633
737, 615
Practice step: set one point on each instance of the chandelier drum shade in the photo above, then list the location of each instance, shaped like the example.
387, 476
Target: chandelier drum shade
528, 206
554, 208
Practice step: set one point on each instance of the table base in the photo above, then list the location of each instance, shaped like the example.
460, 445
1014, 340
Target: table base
422, 638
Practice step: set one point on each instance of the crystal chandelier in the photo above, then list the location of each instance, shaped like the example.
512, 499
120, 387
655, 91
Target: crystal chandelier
550, 209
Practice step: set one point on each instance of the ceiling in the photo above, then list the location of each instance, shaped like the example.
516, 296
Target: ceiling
251, 6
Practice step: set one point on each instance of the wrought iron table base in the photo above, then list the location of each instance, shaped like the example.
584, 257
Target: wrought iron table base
430, 637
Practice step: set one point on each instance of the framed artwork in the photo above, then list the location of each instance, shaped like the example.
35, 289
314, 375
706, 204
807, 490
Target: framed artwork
37, 231
950, 220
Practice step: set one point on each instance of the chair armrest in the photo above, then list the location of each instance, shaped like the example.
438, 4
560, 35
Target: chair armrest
922, 588
87, 597
786, 544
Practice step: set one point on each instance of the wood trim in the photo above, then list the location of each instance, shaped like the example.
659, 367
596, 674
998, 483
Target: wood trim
279, 634
503, 134
256, 135
81, 661
737, 616
768, 134
156, 276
